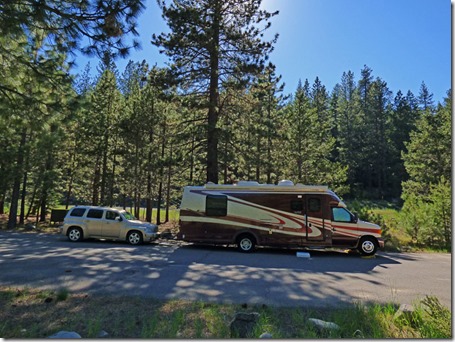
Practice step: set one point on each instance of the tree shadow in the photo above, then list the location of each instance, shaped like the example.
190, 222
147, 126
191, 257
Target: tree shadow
170, 270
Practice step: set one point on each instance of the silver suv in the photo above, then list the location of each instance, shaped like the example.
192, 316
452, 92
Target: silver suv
84, 222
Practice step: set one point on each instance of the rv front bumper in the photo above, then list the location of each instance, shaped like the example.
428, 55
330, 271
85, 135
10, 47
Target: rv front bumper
381, 243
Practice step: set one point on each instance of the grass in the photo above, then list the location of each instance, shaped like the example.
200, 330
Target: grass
29, 313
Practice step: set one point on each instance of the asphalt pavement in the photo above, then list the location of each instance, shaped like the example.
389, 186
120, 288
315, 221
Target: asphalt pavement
170, 269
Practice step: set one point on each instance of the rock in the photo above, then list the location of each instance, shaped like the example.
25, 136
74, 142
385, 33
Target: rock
321, 325
66, 334
405, 312
243, 324
102, 334
30, 226
266, 335
358, 334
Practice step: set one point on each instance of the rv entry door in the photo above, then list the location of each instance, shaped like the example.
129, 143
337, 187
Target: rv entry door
314, 218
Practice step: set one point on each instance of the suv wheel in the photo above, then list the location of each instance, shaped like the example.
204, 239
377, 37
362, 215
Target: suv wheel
75, 234
134, 238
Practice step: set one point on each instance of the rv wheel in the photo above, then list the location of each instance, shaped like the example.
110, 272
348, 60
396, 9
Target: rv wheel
367, 246
245, 243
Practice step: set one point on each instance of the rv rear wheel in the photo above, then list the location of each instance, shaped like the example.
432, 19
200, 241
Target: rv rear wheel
245, 243
367, 246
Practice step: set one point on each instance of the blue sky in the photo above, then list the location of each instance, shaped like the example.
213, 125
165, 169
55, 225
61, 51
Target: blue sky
404, 42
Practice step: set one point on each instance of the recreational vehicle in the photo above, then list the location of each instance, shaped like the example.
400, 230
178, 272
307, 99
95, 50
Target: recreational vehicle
250, 214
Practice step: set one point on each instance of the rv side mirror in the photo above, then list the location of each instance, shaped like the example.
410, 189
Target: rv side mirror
355, 218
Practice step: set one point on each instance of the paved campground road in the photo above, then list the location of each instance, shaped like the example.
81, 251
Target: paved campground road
218, 274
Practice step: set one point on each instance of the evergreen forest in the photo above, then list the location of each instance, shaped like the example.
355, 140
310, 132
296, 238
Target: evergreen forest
135, 137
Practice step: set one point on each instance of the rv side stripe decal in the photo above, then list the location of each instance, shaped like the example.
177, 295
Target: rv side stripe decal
238, 224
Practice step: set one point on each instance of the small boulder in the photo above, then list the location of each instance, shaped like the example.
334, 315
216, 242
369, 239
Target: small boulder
266, 335
102, 334
30, 226
405, 313
358, 334
243, 324
321, 325
65, 334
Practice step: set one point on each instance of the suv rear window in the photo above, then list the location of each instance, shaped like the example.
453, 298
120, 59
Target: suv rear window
78, 212
95, 213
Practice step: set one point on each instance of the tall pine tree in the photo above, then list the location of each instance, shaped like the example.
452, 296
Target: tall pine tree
211, 41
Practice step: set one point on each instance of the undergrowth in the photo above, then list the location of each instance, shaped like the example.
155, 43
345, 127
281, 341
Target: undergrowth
29, 313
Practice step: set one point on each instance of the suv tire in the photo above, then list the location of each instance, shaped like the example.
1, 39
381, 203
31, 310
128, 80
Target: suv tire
134, 238
75, 234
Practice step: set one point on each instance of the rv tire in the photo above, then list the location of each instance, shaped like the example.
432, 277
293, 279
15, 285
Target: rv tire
246, 243
367, 246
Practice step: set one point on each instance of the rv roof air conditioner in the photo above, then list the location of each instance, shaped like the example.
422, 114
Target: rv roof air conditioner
285, 183
247, 183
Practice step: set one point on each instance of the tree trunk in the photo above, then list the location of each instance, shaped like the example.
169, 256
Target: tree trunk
192, 159
70, 189
104, 170
12, 218
212, 132
24, 192
149, 210
168, 190
160, 190
269, 143
2, 204
258, 159
47, 184
112, 180
96, 184
31, 205
24, 186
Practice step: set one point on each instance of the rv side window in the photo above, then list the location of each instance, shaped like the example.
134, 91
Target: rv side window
216, 205
314, 205
341, 215
297, 206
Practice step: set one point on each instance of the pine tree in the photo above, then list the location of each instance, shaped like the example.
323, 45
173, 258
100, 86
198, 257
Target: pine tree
32, 108
309, 139
267, 92
401, 122
348, 125
425, 98
427, 194
378, 122
106, 23
211, 41
100, 133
